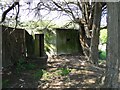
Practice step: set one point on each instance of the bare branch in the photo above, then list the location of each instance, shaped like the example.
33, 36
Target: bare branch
67, 11
17, 15
6, 11
70, 10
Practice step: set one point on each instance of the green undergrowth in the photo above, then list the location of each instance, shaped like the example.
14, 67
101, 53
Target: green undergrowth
38, 74
23, 65
64, 71
102, 55
5, 83
46, 75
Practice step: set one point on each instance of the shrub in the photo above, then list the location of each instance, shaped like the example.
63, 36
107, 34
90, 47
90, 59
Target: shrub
102, 55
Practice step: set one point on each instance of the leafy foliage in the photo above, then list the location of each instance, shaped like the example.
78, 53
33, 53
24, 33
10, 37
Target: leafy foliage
103, 40
49, 42
102, 55
64, 71
103, 36
42, 27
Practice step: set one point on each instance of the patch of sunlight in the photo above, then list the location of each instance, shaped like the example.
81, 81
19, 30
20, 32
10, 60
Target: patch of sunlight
68, 84
83, 63
67, 60
52, 46
58, 83
87, 72
76, 65
86, 87
73, 82
79, 72
56, 87
49, 75
74, 71
47, 85
89, 81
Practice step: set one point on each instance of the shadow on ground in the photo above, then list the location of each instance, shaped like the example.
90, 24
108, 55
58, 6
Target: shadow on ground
82, 74
64, 71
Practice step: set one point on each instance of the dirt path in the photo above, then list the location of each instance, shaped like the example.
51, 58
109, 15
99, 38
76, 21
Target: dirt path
65, 71
82, 74
24, 79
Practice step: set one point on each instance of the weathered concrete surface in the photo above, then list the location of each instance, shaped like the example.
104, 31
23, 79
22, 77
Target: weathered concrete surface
67, 41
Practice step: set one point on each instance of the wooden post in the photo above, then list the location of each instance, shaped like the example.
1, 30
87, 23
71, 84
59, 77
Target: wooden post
39, 45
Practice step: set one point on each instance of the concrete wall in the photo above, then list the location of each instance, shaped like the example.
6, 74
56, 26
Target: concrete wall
67, 41
20, 44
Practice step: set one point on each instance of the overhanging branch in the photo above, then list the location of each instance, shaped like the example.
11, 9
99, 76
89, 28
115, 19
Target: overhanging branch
6, 11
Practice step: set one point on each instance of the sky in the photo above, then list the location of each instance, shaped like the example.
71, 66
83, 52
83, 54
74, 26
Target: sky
51, 16
26, 15
59, 21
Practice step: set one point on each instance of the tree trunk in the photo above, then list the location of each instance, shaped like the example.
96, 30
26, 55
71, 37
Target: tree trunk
83, 41
112, 75
85, 27
1, 53
95, 33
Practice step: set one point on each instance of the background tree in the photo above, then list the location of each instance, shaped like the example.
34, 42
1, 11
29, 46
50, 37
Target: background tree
95, 33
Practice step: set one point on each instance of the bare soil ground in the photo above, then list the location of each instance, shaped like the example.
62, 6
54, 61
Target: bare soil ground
79, 74
82, 74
